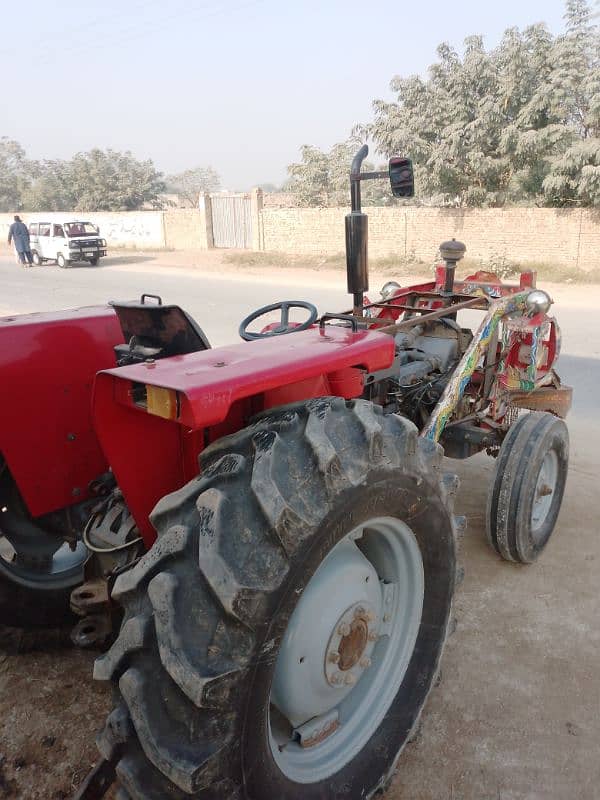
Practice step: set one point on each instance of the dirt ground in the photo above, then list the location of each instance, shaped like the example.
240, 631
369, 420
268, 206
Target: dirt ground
516, 715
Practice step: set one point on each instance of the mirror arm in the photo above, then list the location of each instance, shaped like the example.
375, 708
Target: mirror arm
371, 176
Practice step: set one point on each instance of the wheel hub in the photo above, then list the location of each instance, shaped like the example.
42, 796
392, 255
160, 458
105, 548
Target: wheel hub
351, 644
544, 490
346, 649
327, 633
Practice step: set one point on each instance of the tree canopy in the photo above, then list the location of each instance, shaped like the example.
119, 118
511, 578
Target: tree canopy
191, 183
321, 178
13, 172
99, 180
517, 124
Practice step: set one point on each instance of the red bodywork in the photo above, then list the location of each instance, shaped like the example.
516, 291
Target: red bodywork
48, 363
217, 392
55, 444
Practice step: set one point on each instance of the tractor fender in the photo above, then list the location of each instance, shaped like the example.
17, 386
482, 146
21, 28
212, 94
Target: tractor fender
163, 413
48, 363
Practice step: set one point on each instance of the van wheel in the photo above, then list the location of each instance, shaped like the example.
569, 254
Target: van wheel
94, 261
62, 261
36, 258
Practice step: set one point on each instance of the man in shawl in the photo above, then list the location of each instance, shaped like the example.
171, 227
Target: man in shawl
19, 234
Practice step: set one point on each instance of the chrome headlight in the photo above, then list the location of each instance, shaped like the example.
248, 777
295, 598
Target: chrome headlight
538, 302
388, 289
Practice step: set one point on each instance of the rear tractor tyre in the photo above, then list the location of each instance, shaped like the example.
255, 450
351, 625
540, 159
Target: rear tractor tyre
62, 261
36, 581
528, 486
28, 607
283, 633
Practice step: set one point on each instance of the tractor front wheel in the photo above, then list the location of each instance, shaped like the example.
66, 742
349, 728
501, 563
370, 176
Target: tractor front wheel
283, 633
528, 486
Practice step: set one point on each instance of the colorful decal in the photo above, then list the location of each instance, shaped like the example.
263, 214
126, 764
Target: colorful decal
529, 349
481, 291
455, 388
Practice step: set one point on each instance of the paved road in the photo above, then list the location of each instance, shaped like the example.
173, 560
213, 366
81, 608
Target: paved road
517, 715
218, 303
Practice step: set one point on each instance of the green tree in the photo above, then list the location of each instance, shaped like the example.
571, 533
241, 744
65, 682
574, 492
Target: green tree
107, 180
574, 175
322, 178
50, 187
13, 174
191, 183
532, 130
310, 180
516, 124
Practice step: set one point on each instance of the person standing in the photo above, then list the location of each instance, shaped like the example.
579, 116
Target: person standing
19, 235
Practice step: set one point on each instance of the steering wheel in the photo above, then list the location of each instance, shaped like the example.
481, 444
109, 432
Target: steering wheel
284, 324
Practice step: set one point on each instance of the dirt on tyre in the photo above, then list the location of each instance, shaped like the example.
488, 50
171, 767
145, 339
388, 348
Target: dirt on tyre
528, 486
283, 633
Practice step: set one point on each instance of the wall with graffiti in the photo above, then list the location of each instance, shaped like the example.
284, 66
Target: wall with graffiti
177, 229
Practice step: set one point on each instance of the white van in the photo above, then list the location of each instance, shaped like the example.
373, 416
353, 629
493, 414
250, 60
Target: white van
66, 242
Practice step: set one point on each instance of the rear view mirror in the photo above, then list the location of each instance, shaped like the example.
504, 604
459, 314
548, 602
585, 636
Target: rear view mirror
402, 179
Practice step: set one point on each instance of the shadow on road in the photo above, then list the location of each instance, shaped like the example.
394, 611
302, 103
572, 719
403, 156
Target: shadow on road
113, 261
583, 374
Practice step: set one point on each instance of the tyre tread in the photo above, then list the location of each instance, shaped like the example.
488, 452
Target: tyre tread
335, 442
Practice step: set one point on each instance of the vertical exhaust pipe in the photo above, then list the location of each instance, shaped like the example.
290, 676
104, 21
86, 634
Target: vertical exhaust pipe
357, 234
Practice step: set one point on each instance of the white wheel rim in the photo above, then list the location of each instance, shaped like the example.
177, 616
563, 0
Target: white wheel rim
545, 489
322, 713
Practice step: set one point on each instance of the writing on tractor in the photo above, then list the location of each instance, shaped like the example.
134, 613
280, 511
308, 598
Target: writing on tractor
264, 533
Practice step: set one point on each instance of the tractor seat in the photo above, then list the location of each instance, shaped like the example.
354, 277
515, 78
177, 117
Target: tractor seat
152, 331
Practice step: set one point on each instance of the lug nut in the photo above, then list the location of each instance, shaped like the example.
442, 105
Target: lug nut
373, 636
333, 658
365, 662
349, 680
386, 617
344, 629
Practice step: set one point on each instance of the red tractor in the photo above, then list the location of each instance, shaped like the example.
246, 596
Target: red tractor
270, 522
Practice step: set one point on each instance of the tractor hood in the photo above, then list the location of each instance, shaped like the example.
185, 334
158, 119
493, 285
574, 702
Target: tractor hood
155, 418
209, 382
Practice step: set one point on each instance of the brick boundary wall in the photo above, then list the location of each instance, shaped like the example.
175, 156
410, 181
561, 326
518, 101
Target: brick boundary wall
570, 237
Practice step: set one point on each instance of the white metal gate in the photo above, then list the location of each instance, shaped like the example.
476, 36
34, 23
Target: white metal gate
231, 220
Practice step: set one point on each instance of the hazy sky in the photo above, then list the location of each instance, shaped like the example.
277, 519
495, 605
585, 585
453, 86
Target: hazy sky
237, 84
